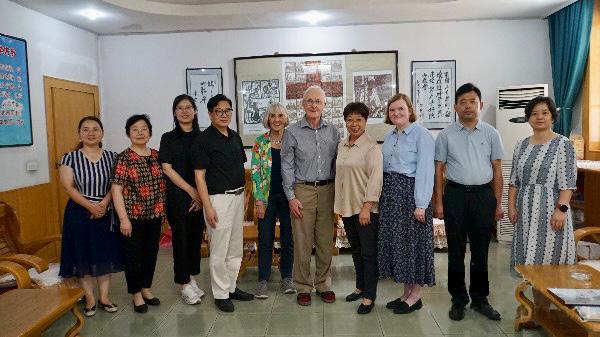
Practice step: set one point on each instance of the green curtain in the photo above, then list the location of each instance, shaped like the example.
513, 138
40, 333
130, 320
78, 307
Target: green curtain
569, 45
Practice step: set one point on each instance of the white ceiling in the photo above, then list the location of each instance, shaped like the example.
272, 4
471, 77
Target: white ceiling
160, 16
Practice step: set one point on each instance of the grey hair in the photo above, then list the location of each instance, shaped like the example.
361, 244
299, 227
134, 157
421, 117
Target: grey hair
313, 87
274, 108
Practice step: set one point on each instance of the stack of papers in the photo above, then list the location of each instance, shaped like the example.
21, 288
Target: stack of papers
585, 301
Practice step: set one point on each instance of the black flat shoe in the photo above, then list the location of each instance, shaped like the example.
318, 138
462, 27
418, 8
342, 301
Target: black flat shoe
457, 312
486, 310
353, 297
140, 309
240, 295
224, 305
152, 301
394, 304
365, 309
405, 309
108, 307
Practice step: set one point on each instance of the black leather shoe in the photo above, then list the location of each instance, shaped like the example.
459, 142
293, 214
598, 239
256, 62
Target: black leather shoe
394, 304
486, 310
457, 312
152, 301
403, 308
365, 309
140, 309
225, 305
353, 297
240, 295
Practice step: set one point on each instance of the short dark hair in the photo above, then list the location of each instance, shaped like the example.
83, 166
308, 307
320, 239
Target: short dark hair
465, 88
214, 101
542, 100
357, 108
136, 118
176, 101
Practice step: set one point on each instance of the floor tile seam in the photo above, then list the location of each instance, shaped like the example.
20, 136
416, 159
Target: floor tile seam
99, 331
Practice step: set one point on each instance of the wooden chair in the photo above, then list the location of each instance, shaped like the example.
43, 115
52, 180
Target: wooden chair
588, 234
13, 249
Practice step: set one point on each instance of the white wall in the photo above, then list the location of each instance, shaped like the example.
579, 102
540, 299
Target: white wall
54, 49
143, 73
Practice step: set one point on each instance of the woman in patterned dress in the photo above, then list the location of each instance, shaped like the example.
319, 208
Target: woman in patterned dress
89, 244
542, 181
138, 188
406, 220
271, 202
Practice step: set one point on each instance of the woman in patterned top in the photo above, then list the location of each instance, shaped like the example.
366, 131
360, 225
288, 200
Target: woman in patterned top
89, 246
271, 202
138, 189
542, 181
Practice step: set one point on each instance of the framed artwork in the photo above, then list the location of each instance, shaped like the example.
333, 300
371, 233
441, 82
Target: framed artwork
202, 84
369, 77
15, 103
433, 86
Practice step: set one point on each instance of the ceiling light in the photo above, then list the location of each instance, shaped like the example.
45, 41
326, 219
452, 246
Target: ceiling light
92, 14
313, 17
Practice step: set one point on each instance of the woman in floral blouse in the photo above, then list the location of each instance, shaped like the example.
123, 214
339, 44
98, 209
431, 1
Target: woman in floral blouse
271, 203
138, 189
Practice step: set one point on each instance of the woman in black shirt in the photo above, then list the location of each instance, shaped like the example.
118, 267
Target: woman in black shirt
184, 209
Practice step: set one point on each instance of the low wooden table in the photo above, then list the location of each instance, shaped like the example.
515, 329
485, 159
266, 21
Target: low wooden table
563, 321
28, 312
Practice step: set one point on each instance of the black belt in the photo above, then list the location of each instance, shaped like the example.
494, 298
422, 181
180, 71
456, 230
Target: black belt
469, 188
237, 191
318, 182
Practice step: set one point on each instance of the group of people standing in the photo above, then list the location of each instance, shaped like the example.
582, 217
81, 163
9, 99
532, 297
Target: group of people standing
302, 175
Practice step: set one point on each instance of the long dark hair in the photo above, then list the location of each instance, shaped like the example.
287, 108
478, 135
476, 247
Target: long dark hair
176, 101
83, 120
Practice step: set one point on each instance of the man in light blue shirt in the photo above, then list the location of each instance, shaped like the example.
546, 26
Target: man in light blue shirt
470, 153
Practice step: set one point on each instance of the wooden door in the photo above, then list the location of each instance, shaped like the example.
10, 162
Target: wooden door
40, 208
66, 103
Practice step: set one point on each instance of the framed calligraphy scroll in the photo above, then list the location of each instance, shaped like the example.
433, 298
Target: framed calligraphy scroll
15, 105
202, 84
433, 86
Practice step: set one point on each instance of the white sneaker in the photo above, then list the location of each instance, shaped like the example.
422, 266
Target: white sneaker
198, 291
189, 296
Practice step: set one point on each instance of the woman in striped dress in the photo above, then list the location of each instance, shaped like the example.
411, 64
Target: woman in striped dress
89, 246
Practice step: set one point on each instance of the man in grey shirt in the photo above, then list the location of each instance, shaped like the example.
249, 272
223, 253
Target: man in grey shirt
470, 152
308, 170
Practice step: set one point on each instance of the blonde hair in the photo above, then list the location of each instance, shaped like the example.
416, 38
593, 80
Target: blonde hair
272, 109
411, 118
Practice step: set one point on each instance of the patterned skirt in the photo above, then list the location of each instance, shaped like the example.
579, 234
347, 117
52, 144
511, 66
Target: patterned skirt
405, 248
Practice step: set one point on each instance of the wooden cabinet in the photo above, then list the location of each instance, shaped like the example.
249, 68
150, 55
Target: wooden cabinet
588, 185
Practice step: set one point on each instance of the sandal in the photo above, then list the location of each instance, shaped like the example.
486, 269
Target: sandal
108, 307
89, 312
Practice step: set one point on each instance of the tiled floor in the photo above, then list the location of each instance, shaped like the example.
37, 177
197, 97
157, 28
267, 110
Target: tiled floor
279, 315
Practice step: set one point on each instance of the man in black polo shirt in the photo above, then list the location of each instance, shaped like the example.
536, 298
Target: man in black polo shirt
219, 157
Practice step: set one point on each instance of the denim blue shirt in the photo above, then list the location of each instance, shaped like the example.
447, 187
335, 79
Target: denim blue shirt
410, 152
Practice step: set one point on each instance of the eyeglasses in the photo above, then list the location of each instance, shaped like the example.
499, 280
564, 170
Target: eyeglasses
185, 108
222, 113
310, 101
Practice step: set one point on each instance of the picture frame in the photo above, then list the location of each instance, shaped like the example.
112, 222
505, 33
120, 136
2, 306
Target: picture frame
433, 84
202, 84
371, 76
15, 101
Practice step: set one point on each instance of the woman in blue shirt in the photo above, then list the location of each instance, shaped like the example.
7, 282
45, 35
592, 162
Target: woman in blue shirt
406, 221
